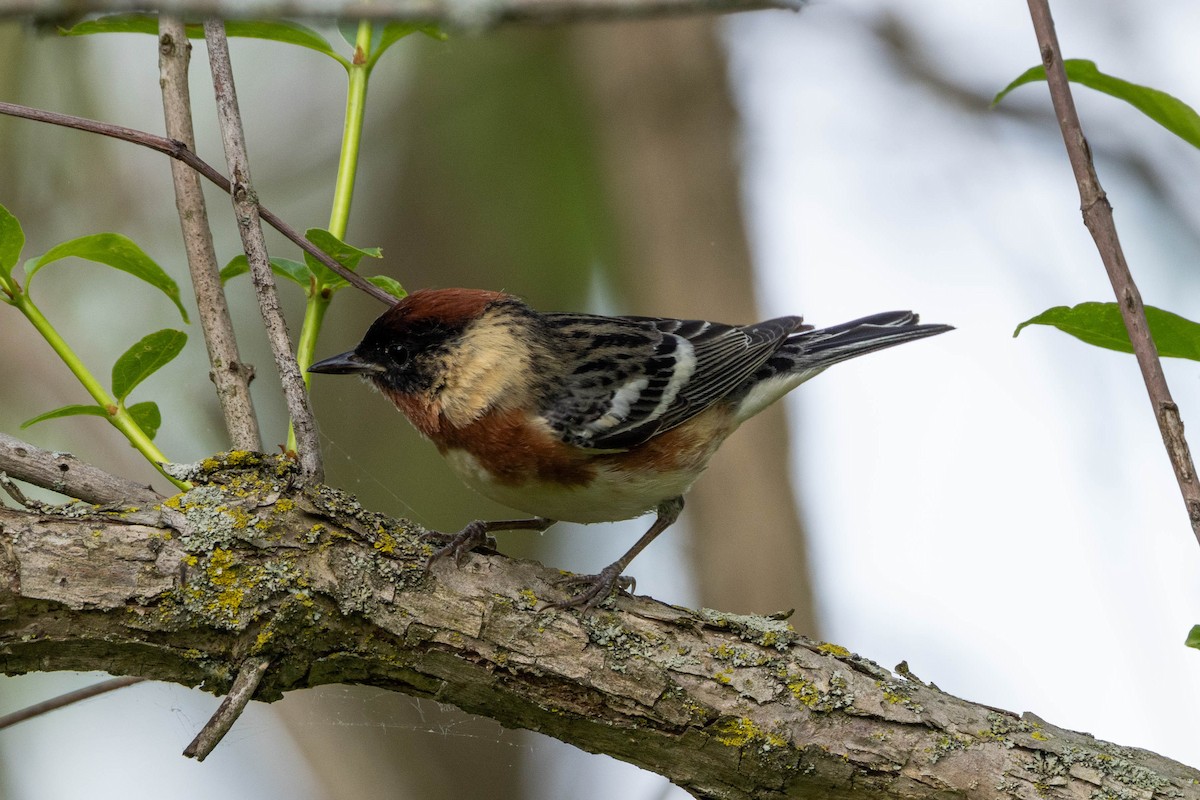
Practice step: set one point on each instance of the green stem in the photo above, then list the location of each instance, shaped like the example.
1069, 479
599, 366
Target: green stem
114, 412
356, 105
343, 193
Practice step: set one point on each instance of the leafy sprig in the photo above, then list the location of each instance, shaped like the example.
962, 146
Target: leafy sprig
140, 421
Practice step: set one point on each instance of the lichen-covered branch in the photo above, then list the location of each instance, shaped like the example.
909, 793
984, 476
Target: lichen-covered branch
246, 566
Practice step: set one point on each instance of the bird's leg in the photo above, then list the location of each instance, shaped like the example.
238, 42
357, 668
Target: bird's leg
477, 534
610, 579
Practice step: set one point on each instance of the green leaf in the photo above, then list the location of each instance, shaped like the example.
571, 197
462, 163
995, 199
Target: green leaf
66, 411
271, 30
345, 254
348, 28
147, 416
144, 359
395, 31
1100, 324
12, 241
1193, 637
434, 32
389, 285
238, 265
118, 252
1170, 112
283, 267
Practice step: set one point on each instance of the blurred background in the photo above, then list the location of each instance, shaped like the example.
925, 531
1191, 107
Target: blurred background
998, 512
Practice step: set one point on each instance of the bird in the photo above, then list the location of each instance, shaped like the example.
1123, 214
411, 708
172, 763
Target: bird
587, 418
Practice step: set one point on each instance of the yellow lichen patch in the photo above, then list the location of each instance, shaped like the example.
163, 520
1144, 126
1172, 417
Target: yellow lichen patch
738, 656
722, 651
805, 691
386, 543
240, 517
741, 732
220, 568
724, 677
528, 598
234, 458
223, 576
833, 649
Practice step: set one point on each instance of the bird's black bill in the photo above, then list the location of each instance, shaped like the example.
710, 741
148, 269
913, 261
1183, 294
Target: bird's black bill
345, 364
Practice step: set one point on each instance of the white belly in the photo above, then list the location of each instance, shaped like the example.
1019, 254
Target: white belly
608, 497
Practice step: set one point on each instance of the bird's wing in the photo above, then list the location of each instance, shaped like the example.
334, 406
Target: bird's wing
634, 377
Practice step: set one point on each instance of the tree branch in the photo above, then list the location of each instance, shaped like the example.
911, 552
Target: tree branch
252, 567
178, 150
1098, 217
469, 14
244, 686
65, 474
245, 207
230, 375
66, 699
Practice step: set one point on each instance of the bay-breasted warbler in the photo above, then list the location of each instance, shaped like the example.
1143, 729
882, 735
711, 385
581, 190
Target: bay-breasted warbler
588, 418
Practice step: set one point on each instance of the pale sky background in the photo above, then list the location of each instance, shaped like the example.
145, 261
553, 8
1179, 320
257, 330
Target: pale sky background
998, 512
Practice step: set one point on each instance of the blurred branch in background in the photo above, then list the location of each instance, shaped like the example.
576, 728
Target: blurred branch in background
470, 14
917, 63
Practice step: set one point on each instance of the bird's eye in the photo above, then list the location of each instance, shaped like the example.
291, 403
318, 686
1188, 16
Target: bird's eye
398, 353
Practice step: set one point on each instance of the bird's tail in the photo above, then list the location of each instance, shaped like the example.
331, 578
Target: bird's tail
818, 349
806, 353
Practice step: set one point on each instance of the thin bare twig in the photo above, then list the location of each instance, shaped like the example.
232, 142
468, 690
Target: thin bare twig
13, 491
69, 698
1097, 216
244, 687
245, 207
65, 474
229, 373
178, 150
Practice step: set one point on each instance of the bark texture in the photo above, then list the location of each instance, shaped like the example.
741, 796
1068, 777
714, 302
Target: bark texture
247, 566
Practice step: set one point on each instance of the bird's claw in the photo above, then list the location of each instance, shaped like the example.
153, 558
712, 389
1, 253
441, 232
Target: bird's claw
598, 589
472, 537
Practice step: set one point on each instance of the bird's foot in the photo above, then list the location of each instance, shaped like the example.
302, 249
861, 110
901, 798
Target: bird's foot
472, 537
596, 588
